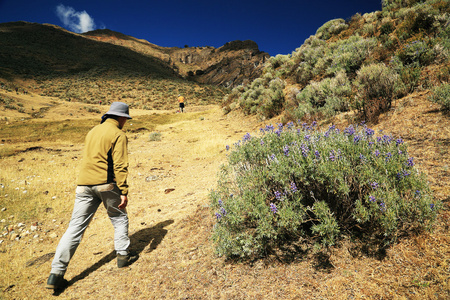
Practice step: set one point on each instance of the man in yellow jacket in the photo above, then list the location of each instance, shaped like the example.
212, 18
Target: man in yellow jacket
102, 179
181, 102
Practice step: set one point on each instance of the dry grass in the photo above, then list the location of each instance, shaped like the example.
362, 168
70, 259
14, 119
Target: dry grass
171, 223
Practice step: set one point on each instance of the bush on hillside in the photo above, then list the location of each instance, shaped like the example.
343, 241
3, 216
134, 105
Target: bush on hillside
441, 95
264, 97
327, 97
292, 184
376, 85
331, 28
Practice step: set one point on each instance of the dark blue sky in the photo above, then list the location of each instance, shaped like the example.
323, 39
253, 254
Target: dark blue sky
278, 27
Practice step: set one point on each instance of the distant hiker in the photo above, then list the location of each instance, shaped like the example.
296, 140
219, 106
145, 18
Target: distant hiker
102, 179
181, 102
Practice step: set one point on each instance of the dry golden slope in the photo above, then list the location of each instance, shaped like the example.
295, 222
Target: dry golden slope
171, 224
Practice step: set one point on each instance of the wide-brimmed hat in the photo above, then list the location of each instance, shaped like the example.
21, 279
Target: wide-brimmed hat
119, 109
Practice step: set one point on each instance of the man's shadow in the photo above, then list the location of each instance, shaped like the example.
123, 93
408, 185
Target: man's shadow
139, 241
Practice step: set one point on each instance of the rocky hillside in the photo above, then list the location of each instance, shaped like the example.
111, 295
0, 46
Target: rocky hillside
234, 63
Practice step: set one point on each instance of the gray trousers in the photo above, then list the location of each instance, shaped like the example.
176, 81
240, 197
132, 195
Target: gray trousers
88, 199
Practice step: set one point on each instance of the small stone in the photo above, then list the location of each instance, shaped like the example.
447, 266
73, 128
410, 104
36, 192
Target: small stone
13, 236
4, 208
1, 241
33, 228
20, 225
53, 235
35, 236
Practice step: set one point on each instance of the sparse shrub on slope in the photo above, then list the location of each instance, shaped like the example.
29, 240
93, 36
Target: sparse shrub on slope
327, 97
331, 28
441, 95
376, 85
264, 97
292, 184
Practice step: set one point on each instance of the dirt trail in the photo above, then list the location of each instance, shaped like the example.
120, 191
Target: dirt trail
169, 184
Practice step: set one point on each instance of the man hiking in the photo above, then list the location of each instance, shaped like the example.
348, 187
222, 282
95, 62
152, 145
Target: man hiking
181, 102
102, 179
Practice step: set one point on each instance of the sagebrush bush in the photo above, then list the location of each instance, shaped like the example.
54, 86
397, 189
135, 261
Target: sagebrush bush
331, 28
376, 89
441, 95
291, 184
328, 97
264, 97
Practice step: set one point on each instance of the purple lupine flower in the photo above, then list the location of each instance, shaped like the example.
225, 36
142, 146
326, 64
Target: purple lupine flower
317, 154
218, 216
290, 125
286, 150
247, 137
272, 157
314, 124
220, 202
277, 195
376, 152
382, 207
369, 131
406, 173
278, 132
332, 157
398, 141
388, 156
399, 175
305, 150
410, 162
227, 147
280, 126
400, 152
223, 211
374, 185
332, 127
326, 134
362, 157
262, 143
372, 199
387, 139
349, 130
432, 206
418, 193
269, 127
307, 137
262, 130
273, 208
293, 187
356, 139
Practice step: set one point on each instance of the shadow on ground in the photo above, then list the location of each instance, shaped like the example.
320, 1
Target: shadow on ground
152, 236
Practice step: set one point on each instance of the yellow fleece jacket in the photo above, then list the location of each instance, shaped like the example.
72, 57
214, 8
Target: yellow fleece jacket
105, 156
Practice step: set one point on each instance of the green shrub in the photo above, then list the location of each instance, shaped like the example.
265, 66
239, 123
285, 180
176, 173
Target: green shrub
331, 28
264, 97
154, 137
376, 89
329, 96
348, 54
441, 95
292, 184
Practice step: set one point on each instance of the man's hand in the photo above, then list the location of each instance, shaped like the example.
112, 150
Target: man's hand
124, 202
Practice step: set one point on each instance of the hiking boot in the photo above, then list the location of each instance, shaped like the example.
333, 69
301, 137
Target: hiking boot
126, 260
55, 281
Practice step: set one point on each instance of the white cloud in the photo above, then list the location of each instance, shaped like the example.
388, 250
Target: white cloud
76, 21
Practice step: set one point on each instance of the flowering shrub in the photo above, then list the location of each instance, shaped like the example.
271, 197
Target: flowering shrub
293, 183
